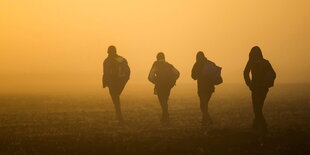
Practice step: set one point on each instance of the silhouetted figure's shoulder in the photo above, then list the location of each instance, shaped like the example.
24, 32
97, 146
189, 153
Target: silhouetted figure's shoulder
211, 63
265, 61
121, 59
198, 67
158, 64
116, 59
262, 65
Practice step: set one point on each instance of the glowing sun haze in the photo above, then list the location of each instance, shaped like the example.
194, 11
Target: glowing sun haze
61, 44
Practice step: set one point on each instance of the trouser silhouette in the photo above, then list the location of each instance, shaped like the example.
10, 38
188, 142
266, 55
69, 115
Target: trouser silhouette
117, 105
115, 92
204, 103
258, 99
163, 96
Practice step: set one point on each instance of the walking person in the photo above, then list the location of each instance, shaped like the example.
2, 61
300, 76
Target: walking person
164, 76
207, 75
116, 73
262, 78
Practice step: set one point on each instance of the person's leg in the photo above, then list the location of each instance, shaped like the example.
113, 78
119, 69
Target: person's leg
202, 99
116, 101
204, 103
255, 103
163, 96
209, 94
162, 103
258, 99
117, 105
261, 118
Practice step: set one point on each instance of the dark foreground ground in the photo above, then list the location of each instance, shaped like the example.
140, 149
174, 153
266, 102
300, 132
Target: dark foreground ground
84, 124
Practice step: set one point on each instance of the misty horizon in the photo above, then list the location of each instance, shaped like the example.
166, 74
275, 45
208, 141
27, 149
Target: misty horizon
62, 45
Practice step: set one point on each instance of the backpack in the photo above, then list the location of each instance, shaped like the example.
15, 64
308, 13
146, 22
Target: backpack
212, 72
123, 70
166, 74
270, 76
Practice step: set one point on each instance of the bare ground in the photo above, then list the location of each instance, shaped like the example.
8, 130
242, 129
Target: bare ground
85, 124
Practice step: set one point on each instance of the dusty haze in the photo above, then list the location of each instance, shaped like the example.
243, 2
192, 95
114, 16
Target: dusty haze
59, 46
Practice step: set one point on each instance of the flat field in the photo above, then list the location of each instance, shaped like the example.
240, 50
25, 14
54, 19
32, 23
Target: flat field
85, 123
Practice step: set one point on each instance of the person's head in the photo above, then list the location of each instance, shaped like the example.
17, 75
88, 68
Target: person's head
160, 56
200, 56
112, 50
255, 54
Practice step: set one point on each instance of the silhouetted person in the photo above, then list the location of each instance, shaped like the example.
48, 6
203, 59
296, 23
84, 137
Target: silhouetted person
207, 75
116, 73
263, 77
164, 76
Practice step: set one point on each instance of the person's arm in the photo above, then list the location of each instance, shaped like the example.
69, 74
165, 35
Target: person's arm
195, 72
246, 75
105, 77
152, 74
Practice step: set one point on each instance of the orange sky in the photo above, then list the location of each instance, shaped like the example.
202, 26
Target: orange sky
61, 44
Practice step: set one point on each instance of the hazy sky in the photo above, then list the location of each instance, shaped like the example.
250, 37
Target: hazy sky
60, 44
